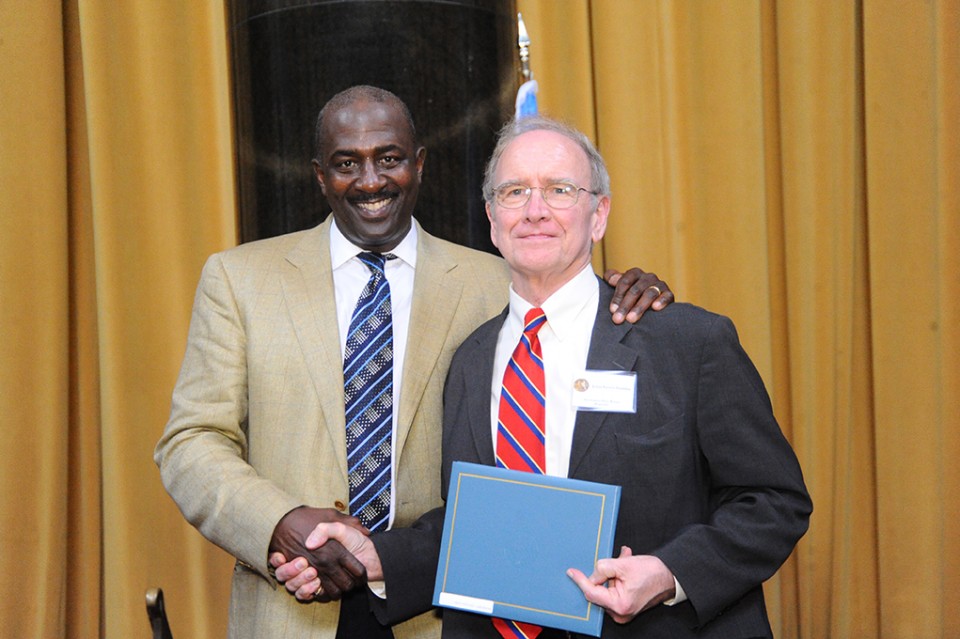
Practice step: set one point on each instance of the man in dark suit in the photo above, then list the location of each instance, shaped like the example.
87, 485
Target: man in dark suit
713, 498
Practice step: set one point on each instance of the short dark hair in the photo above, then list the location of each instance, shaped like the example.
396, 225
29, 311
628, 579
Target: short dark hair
353, 94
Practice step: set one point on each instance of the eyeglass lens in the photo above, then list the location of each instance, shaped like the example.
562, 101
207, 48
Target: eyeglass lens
561, 195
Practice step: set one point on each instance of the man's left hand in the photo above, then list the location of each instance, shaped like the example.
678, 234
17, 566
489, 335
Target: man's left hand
636, 291
636, 583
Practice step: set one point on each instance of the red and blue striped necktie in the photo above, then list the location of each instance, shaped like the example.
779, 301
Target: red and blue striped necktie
521, 427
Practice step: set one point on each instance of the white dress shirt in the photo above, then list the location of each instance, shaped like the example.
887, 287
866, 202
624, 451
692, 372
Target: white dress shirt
565, 341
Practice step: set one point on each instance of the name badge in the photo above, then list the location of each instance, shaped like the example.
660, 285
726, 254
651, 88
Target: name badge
607, 391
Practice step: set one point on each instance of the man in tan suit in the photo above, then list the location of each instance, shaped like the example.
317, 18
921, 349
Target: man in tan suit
255, 452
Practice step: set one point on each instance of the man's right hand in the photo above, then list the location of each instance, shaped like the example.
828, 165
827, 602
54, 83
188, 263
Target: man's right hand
301, 580
337, 569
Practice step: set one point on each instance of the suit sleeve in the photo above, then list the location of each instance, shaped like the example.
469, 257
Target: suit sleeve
202, 453
409, 556
758, 501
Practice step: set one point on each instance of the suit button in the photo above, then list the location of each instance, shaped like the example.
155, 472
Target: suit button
339, 505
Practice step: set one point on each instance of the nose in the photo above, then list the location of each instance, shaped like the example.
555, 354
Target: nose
370, 178
537, 207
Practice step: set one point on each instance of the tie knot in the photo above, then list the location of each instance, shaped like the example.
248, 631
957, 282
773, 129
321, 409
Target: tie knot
375, 261
533, 321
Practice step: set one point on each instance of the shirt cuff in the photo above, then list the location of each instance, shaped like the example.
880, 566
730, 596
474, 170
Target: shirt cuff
679, 597
379, 588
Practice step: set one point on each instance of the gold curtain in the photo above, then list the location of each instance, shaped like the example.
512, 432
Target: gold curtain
794, 165
116, 181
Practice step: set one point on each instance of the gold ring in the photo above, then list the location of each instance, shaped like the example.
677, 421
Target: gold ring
319, 591
654, 287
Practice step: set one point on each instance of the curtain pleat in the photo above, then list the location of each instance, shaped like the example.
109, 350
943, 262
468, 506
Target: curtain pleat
34, 324
158, 137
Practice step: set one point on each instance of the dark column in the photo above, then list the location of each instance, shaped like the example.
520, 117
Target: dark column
452, 61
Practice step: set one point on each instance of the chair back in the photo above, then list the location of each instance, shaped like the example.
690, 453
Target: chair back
157, 614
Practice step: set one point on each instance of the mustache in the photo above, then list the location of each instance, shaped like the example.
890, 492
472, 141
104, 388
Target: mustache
361, 198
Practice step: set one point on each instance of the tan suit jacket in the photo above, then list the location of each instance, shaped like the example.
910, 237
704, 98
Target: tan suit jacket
257, 420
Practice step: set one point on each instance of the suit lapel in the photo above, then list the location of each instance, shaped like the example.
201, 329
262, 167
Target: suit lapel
309, 296
483, 344
606, 353
436, 296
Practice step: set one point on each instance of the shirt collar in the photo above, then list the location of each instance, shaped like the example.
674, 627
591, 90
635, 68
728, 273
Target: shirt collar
565, 305
342, 250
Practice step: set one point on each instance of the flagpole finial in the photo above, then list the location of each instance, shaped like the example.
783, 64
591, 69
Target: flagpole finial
527, 93
523, 43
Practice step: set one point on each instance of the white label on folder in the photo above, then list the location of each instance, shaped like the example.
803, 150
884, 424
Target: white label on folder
472, 604
608, 391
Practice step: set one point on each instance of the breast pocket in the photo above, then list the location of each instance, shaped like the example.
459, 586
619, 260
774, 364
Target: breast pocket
655, 456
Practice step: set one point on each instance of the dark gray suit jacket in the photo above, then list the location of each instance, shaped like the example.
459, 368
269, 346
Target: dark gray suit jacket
710, 484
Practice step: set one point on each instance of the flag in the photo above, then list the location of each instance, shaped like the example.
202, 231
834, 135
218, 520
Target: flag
527, 94
527, 99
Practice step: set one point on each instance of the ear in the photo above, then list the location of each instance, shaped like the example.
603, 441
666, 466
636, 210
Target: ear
421, 156
493, 235
318, 171
600, 216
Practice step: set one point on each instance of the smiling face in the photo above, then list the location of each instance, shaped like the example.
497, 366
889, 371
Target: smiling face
545, 247
369, 169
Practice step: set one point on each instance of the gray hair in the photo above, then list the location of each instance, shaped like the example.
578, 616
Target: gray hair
599, 177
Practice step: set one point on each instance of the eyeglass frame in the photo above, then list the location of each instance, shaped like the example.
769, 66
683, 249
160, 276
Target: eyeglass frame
529, 191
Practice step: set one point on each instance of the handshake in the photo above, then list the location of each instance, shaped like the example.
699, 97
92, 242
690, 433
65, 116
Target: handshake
319, 554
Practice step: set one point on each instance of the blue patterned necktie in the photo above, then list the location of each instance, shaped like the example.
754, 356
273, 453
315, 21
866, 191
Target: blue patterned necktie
368, 393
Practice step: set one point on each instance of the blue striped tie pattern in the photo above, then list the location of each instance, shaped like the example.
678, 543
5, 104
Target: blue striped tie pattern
368, 394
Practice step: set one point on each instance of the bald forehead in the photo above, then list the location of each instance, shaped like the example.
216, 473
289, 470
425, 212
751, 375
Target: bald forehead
547, 155
362, 117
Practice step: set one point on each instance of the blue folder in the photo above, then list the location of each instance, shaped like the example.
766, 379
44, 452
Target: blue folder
509, 538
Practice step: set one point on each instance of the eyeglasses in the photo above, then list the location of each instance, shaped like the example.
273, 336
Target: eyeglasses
561, 195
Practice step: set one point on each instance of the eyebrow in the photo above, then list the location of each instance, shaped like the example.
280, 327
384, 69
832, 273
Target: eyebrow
547, 182
380, 150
